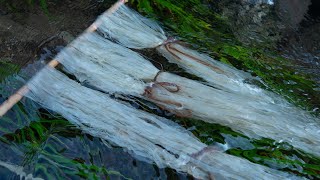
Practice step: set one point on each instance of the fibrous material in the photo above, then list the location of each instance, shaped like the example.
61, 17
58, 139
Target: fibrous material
232, 102
132, 30
144, 33
112, 68
146, 136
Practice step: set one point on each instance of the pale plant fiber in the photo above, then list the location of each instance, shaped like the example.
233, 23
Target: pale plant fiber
145, 135
243, 107
112, 68
124, 19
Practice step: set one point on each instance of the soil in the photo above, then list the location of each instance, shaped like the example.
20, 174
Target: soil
25, 30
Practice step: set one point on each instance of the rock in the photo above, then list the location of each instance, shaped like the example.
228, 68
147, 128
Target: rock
263, 22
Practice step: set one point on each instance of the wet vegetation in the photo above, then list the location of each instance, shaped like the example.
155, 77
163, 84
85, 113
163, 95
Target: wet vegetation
45, 142
264, 151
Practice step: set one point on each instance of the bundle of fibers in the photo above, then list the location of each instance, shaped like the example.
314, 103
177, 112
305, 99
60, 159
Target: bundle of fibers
146, 136
281, 121
112, 68
98, 62
132, 30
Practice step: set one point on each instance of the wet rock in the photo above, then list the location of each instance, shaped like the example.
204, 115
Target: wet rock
252, 23
264, 22
292, 12
3, 12
303, 44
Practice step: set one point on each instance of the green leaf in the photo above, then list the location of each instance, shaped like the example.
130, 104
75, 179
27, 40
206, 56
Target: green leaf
7, 69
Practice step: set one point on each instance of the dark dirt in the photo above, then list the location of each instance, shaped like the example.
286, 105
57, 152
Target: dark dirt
25, 30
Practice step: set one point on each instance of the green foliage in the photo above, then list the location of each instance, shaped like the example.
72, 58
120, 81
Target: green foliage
208, 133
44, 6
281, 156
7, 69
40, 146
16, 118
94, 172
188, 19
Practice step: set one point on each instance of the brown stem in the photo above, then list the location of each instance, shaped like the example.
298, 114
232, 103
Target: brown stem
171, 50
163, 104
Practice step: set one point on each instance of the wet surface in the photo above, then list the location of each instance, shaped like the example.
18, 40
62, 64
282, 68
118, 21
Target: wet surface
31, 32
291, 27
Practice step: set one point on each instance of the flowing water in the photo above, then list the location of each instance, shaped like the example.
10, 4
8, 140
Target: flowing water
276, 41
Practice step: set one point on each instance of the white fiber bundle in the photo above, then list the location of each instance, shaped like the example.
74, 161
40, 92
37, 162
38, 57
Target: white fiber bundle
106, 65
279, 120
243, 107
112, 68
145, 135
89, 73
131, 29
186, 58
214, 72
107, 53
